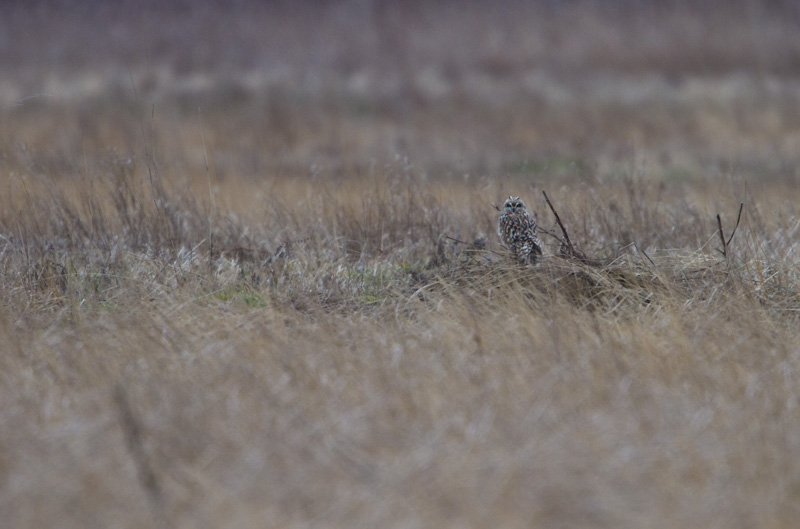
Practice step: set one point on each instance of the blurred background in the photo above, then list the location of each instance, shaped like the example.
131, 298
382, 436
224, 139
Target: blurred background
676, 89
250, 278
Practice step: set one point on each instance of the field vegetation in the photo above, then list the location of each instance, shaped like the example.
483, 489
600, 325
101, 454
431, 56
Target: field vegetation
250, 274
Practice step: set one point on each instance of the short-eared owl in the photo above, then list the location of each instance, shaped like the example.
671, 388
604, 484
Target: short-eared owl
517, 229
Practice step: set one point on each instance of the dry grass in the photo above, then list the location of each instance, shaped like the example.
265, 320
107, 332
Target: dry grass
258, 314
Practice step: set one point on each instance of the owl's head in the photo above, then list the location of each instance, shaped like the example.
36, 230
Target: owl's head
513, 205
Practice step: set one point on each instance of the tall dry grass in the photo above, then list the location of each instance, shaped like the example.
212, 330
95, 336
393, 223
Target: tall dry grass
250, 276
341, 362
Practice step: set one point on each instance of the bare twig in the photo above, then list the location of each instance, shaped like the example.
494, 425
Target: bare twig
641, 251
560, 224
738, 218
567, 241
722, 237
567, 248
721, 231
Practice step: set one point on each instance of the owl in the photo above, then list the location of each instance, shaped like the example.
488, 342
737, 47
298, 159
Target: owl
517, 230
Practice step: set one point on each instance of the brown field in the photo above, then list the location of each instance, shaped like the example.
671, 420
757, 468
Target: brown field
244, 282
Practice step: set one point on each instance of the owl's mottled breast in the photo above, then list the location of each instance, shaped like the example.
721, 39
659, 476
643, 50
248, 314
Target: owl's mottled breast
517, 229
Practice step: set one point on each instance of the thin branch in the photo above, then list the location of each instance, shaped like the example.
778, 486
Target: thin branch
722, 237
560, 225
641, 251
721, 231
738, 218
